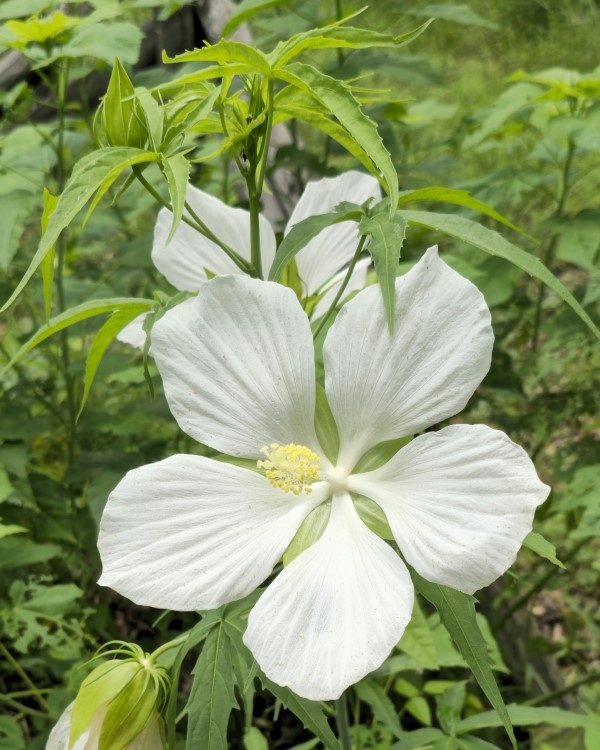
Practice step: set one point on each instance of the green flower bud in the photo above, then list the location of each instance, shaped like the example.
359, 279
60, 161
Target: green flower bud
117, 707
120, 114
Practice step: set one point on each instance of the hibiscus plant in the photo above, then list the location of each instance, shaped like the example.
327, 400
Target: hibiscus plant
314, 507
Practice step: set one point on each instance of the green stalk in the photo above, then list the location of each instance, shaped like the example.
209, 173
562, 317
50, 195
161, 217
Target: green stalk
193, 221
61, 252
343, 286
255, 256
25, 677
551, 249
343, 724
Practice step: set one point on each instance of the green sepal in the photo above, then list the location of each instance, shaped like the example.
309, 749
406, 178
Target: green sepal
120, 118
372, 515
100, 687
129, 712
380, 454
310, 531
325, 426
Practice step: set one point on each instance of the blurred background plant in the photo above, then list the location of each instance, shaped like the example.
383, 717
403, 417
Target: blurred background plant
501, 99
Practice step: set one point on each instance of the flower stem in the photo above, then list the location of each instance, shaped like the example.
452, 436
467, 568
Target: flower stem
25, 677
343, 725
192, 220
343, 286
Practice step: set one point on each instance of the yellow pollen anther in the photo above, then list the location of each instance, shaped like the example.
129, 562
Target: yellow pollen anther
291, 468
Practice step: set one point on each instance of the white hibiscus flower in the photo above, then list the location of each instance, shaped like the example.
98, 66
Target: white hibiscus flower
190, 259
238, 369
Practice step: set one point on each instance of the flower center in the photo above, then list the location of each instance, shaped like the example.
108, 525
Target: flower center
291, 468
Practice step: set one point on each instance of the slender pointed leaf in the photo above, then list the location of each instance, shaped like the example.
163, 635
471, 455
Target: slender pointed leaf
304, 231
177, 172
491, 242
94, 172
77, 314
117, 321
542, 547
387, 238
50, 202
457, 198
310, 713
457, 612
530, 716
337, 99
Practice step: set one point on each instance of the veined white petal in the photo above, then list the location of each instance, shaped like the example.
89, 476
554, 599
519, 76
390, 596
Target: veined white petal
333, 248
237, 365
133, 333
335, 612
193, 533
187, 258
382, 387
459, 502
59, 736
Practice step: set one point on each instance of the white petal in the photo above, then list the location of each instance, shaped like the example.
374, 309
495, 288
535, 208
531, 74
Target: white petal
133, 333
333, 615
333, 248
237, 365
192, 533
59, 736
381, 387
189, 255
459, 502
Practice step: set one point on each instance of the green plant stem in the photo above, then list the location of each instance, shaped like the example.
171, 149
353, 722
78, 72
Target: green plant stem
341, 720
551, 249
168, 646
254, 198
61, 252
547, 697
23, 710
192, 220
343, 286
25, 677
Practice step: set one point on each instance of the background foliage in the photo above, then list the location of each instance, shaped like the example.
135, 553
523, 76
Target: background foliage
501, 99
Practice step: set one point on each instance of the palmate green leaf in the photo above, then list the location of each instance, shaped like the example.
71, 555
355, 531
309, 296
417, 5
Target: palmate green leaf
387, 238
177, 171
337, 36
310, 713
337, 99
524, 716
212, 696
542, 547
224, 53
304, 231
76, 314
105, 336
457, 612
94, 173
491, 242
456, 198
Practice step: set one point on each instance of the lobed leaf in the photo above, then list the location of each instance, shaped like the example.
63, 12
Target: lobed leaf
212, 696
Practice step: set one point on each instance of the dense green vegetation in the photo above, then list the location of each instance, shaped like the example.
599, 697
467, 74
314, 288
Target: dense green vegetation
498, 99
